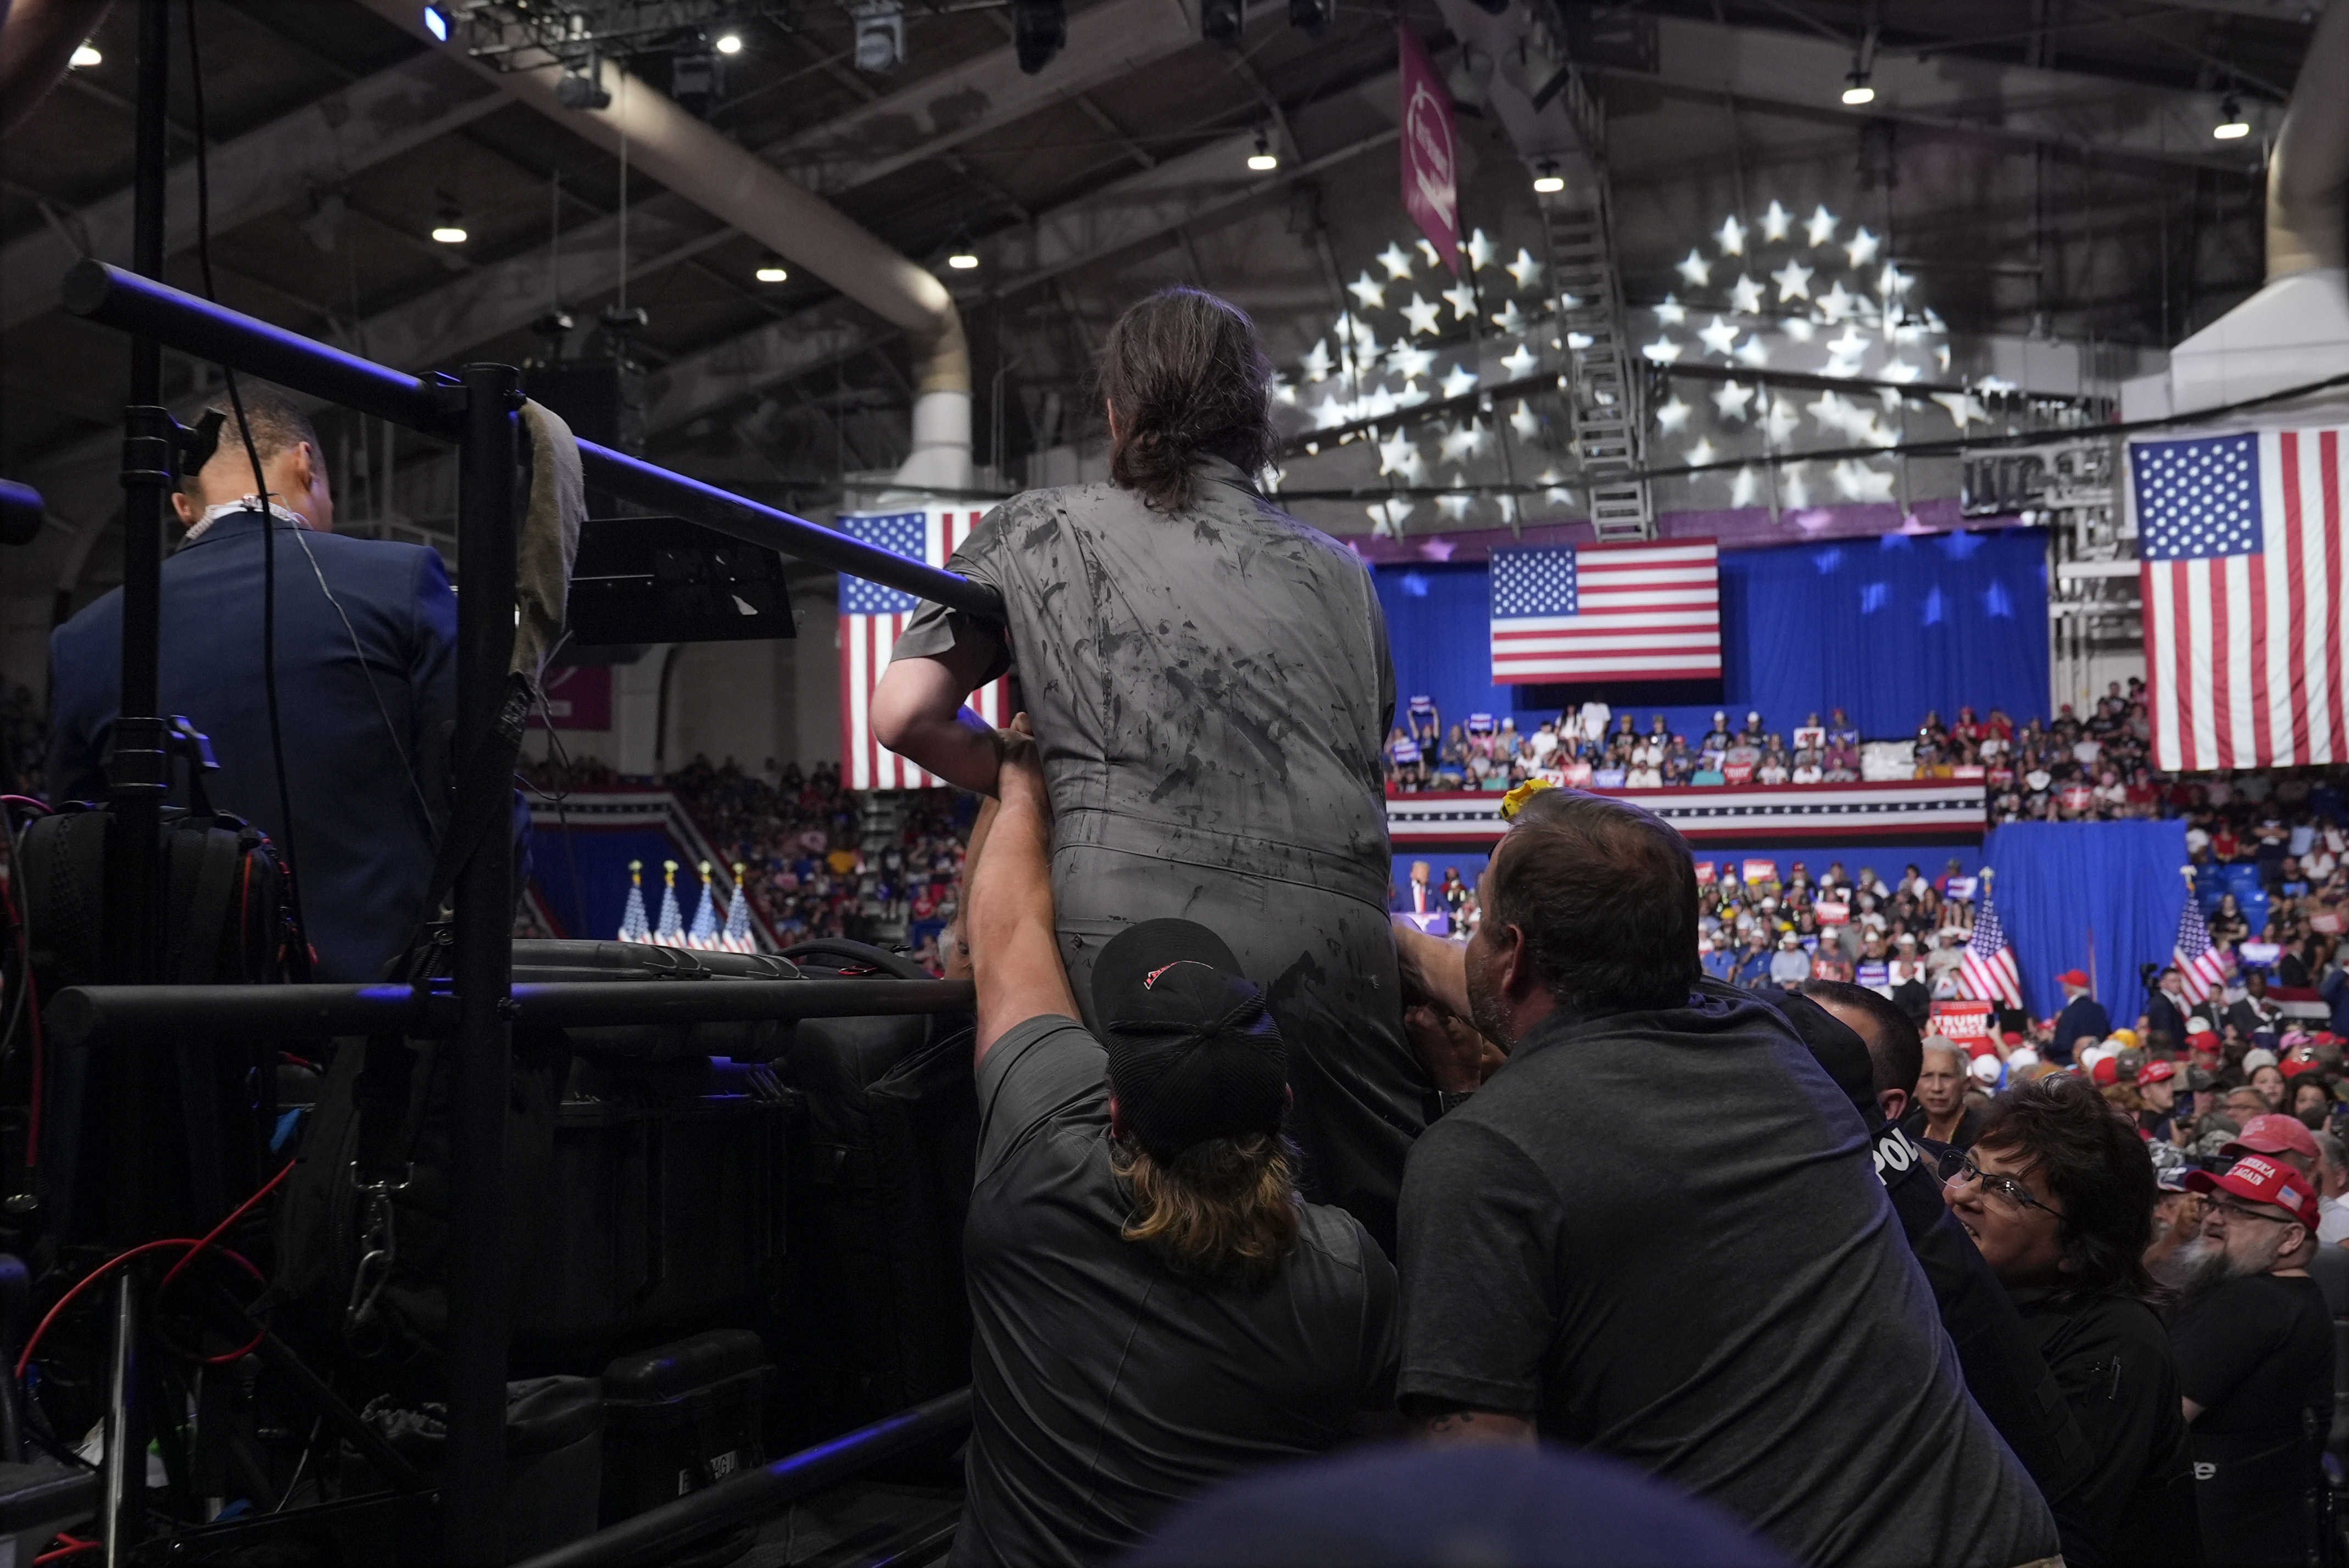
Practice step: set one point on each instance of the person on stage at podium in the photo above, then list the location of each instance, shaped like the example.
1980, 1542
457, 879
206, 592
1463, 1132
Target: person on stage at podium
1210, 688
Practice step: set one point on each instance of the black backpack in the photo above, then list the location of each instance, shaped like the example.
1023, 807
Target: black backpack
228, 919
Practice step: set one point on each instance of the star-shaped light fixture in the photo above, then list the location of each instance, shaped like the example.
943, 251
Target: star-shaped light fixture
1696, 270
1837, 304
1718, 339
1861, 248
1672, 313
1479, 246
1745, 296
1794, 281
1423, 315
1373, 295
1457, 383
1526, 271
1775, 222
1673, 416
1519, 362
1399, 454
1753, 352
1702, 453
1408, 362
1396, 260
1819, 227
1509, 318
1730, 400
1525, 421
1317, 360
1730, 236
1463, 297
1663, 351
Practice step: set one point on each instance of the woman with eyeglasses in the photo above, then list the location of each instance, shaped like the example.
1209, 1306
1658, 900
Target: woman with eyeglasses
2057, 1192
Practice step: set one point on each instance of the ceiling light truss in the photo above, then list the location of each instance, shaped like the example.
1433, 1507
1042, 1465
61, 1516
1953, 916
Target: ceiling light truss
526, 34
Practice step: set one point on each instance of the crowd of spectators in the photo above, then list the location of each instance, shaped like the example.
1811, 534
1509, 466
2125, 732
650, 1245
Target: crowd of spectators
2073, 768
815, 865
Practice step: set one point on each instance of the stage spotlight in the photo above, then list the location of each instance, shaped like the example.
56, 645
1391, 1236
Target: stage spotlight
448, 228
1039, 28
1222, 21
1313, 15
960, 256
2231, 124
584, 89
1547, 181
85, 56
1264, 160
436, 22
772, 270
1856, 90
729, 43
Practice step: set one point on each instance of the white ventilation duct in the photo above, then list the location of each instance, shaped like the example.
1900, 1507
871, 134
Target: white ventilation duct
2295, 330
735, 185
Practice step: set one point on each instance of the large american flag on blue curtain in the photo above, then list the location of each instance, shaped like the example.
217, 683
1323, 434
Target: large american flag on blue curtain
1607, 613
2240, 541
872, 618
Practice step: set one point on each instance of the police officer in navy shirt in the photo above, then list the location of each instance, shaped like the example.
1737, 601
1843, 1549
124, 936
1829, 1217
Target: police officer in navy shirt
366, 633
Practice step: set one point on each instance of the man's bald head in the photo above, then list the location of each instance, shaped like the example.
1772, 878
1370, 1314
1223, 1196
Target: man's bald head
1895, 1050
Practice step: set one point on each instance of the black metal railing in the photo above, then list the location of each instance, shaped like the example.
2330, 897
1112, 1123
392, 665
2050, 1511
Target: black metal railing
658, 1534
477, 410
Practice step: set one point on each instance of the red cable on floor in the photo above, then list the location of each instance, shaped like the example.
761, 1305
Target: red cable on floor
74, 1547
194, 1246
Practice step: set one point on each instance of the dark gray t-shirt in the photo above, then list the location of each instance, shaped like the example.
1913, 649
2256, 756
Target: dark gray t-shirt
1106, 1388
1661, 1233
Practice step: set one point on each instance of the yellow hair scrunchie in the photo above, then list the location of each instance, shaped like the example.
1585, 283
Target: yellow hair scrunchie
1515, 801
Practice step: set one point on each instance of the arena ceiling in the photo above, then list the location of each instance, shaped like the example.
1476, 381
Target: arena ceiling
340, 142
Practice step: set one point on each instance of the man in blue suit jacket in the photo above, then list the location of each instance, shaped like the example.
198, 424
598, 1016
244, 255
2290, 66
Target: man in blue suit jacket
367, 688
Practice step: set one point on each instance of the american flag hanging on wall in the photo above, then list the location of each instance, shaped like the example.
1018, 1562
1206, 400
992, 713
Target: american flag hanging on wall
872, 618
2239, 537
1607, 613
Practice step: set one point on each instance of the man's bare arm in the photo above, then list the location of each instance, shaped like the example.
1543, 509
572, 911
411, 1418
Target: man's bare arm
1455, 1426
36, 38
918, 713
1433, 969
1007, 916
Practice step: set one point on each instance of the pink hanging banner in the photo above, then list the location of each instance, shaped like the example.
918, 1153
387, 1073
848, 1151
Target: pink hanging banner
1430, 188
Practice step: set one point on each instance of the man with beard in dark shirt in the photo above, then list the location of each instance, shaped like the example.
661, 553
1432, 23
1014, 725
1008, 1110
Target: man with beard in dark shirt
2254, 1348
1712, 1285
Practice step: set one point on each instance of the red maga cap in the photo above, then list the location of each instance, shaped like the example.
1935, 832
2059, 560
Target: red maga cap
2259, 1181
2156, 1072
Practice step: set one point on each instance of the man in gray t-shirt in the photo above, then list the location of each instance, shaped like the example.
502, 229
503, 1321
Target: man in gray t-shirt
1153, 1308
1706, 1280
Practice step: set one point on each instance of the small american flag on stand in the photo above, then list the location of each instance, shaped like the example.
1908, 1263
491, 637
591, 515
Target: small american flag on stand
1987, 968
871, 619
1607, 613
2198, 963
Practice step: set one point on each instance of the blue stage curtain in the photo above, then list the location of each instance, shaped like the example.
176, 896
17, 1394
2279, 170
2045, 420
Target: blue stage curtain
2103, 897
1884, 628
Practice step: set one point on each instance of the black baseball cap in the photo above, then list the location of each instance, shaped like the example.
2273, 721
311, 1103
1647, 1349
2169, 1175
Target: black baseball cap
1194, 1053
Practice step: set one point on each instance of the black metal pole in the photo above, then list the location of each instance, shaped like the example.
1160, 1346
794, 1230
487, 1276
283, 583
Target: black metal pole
96, 1016
137, 775
474, 1487
660, 1534
108, 296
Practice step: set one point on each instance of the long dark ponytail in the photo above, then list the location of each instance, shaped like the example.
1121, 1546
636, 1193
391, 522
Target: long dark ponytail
1185, 376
